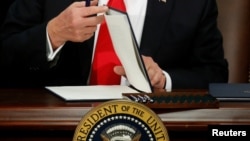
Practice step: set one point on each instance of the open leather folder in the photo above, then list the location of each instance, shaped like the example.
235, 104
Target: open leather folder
127, 49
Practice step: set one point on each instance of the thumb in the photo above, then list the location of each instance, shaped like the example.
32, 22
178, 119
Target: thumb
119, 70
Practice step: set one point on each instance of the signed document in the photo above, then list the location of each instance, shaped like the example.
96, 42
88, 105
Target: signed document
126, 48
81, 93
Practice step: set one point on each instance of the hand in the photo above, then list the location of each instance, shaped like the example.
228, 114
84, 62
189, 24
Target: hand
156, 76
76, 23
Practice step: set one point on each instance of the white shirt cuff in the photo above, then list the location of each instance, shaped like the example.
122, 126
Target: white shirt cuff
168, 86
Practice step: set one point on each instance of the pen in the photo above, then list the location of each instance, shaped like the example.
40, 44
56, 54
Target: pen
134, 98
144, 100
148, 98
87, 3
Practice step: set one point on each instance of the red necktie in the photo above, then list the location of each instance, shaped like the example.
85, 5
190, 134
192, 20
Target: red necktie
105, 57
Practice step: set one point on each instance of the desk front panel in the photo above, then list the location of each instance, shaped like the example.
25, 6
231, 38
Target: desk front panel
36, 114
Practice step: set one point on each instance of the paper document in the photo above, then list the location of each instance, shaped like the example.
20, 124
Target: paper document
126, 48
77, 93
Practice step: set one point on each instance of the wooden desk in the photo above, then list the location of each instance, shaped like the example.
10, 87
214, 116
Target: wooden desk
37, 114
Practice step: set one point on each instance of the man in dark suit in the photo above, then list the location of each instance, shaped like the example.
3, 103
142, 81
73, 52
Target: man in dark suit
180, 43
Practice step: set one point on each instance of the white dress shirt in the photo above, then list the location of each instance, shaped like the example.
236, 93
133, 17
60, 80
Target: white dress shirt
136, 10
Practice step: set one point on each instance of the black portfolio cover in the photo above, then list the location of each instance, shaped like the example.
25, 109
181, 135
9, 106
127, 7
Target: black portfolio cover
230, 91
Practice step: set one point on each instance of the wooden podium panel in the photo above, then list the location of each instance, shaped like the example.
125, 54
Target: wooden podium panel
37, 114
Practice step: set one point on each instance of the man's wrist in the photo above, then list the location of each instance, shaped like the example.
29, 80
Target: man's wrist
54, 38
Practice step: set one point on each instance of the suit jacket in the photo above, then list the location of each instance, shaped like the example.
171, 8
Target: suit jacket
180, 35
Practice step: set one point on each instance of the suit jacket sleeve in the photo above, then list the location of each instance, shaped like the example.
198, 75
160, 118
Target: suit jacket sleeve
24, 41
183, 38
23, 57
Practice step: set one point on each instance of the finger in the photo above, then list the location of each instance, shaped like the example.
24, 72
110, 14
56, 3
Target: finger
94, 2
92, 21
150, 73
83, 3
153, 76
79, 4
147, 61
156, 80
80, 35
84, 28
159, 80
93, 10
119, 70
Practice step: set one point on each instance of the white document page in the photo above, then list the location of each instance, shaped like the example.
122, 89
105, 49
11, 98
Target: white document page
126, 49
77, 93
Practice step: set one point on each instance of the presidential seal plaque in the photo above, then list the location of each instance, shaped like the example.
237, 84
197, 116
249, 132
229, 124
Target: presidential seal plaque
120, 120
